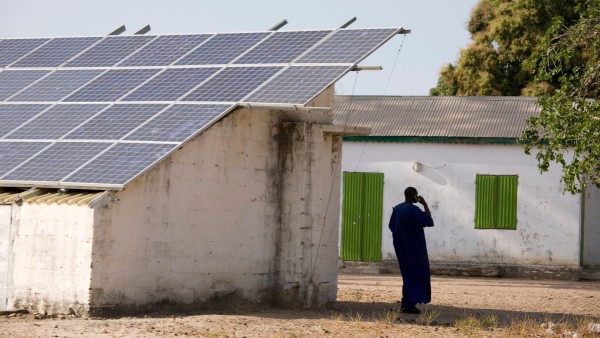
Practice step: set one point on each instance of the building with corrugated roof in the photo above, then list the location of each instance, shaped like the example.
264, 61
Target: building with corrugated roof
495, 213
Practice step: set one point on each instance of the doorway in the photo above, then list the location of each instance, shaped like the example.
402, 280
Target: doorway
362, 213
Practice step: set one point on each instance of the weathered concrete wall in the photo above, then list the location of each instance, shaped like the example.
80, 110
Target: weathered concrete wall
213, 224
308, 263
548, 229
5, 220
196, 228
50, 258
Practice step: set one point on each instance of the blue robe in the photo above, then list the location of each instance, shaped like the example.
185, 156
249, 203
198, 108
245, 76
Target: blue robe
407, 223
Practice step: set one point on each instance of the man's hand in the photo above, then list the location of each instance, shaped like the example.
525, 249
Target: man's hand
421, 200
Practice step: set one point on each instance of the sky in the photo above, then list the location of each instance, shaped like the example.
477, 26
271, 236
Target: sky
411, 62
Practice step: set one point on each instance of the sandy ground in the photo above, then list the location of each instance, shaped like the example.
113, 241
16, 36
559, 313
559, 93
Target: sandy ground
366, 307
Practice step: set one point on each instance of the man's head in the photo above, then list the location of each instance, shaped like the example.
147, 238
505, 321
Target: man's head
410, 194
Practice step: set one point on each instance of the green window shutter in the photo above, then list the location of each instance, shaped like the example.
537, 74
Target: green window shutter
372, 217
485, 201
496, 201
506, 213
351, 212
362, 216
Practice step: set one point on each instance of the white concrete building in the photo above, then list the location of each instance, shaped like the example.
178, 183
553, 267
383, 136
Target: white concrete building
446, 147
236, 217
129, 185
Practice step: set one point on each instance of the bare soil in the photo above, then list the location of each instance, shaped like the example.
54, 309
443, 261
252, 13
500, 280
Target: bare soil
367, 307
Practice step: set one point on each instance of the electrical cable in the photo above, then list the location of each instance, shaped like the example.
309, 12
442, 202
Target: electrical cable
347, 118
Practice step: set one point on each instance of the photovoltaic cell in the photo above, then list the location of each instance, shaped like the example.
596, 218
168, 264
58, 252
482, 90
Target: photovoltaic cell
178, 122
348, 46
111, 85
56, 121
232, 84
115, 122
171, 84
14, 153
57, 161
298, 85
13, 81
164, 50
13, 49
57, 85
282, 47
120, 163
222, 48
14, 115
55, 52
110, 51
88, 118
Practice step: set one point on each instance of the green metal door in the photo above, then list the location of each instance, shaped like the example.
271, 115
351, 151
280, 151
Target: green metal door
362, 213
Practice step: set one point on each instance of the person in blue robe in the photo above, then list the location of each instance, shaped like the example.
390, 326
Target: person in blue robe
407, 223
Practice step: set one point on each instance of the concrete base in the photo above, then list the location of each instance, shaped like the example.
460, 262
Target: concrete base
590, 273
475, 270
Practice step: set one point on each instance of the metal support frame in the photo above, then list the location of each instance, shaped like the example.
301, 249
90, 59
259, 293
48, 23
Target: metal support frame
348, 23
279, 25
143, 31
118, 30
278, 106
359, 68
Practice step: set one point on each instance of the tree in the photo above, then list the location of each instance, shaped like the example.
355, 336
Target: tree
506, 38
567, 130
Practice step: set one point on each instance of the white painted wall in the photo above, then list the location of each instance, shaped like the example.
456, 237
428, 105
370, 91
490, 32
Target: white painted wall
5, 220
51, 258
199, 224
208, 223
548, 228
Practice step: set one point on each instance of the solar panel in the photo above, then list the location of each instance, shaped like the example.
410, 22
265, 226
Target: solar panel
164, 50
121, 163
13, 81
232, 84
348, 46
115, 122
56, 121
57, 85
298, 85
121, 103
13, 49
110, 51
55, 52
111, 85
282, 47
56, 161
170, 84
14, 153
222, 48
179, 122
14, 115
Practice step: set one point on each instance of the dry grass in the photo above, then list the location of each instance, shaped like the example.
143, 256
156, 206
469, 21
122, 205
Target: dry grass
528, 327
427, 317
387, 317
354, 317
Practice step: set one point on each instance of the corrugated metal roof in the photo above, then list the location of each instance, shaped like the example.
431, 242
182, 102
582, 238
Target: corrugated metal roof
43, 196
437, 116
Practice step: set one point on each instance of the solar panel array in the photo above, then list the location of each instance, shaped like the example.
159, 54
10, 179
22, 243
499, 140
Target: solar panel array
96, 112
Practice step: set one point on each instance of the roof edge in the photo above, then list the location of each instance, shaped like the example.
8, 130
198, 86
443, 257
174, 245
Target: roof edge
433, 139
425, 97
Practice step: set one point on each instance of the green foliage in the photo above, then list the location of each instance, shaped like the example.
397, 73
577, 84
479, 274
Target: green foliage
567, 130
506, 43
540, 48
